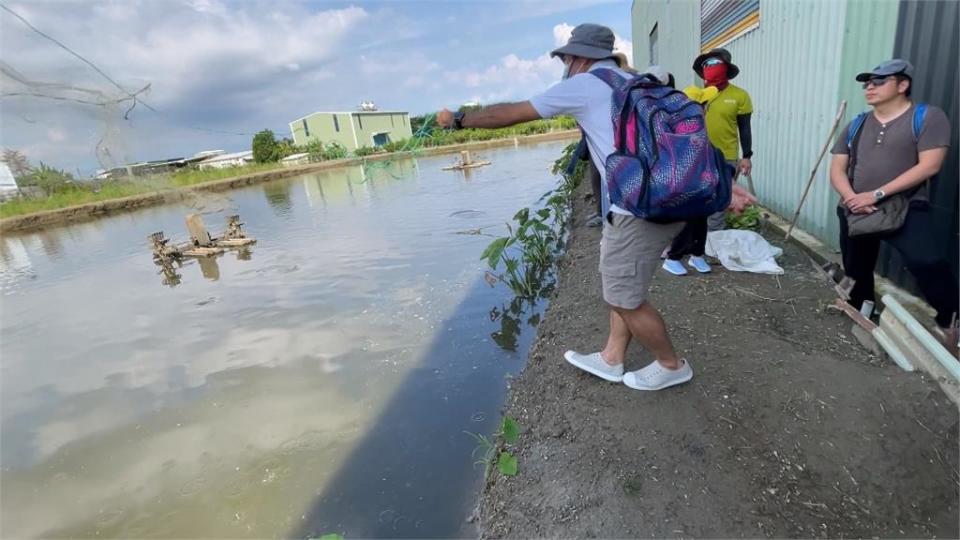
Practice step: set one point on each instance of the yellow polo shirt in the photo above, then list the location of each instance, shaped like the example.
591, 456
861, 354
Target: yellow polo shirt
721, 117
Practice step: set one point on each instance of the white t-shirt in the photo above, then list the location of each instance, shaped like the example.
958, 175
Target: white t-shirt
586, 98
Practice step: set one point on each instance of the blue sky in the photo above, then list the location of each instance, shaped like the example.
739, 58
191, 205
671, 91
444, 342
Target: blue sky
214, 67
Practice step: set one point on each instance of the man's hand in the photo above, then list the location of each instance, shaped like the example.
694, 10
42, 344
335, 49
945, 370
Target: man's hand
745, 166
445, 119
860, 202
740, 199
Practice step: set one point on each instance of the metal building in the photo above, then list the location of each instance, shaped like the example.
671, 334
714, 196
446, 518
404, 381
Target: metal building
798, 59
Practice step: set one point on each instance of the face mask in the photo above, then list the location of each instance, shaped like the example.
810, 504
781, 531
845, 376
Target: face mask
715, 75
566, 70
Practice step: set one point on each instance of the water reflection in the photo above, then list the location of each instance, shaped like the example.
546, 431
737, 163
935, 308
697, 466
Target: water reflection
250, 393
511, 315
209, 268
278, 196
170, 274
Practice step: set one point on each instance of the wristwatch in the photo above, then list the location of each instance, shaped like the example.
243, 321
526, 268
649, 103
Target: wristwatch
879, 194
458, 120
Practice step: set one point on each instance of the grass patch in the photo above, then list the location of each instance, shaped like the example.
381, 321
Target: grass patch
75, 196
190, 177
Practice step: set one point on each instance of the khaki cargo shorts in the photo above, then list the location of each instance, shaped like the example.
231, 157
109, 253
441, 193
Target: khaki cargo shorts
629, 256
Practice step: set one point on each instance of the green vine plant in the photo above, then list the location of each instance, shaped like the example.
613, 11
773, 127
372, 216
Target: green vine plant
535, 239
506, 462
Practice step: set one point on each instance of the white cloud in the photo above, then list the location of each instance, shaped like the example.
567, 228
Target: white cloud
208, 63
516, 78
625, 46
561, 33
238, 67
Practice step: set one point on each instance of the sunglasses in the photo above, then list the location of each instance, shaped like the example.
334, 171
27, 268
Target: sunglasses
877, 81
713, 62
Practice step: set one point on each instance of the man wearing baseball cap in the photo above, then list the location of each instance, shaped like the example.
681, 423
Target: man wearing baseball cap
885, 159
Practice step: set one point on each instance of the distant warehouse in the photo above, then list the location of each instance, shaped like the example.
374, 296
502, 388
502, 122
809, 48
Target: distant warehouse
352, 129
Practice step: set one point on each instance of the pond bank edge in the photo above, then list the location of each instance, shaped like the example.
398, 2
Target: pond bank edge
90, 211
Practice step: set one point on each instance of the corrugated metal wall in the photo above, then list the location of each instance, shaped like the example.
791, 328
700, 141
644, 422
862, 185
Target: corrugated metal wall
797, 66
678, 39
927, 36
791, 66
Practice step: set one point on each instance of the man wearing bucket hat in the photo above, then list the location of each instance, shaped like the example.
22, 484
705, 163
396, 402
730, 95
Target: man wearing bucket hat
629, 252
883, 163
728, 125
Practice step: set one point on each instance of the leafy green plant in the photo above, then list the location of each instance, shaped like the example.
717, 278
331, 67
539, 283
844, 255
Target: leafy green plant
364, 151
264, 147
334, 150
284, 148
748, 219
536, 237
314, 149
49, 179
509, 429
506, 462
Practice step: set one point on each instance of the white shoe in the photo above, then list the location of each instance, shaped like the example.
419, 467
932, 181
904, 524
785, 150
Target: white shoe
674, 267
657, 377
595, 365
699, 264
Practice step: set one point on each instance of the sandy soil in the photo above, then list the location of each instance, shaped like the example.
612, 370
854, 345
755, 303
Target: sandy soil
789, 427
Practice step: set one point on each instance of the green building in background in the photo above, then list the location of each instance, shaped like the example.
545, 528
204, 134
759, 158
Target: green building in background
353, 130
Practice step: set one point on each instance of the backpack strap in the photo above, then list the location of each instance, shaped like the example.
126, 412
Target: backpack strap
853, 139
854, 129
613, 79
919, 114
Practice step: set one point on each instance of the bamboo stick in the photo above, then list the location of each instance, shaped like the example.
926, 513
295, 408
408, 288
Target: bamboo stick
813, 173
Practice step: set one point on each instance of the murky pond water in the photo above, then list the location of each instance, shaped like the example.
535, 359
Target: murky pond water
322, 382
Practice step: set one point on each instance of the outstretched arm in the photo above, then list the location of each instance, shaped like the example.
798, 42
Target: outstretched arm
494, 116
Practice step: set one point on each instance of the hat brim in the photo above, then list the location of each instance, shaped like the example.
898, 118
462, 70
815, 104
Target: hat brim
583, 51
732, 69
867, 75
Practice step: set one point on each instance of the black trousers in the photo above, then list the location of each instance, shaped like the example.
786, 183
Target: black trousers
692, 240
922, 253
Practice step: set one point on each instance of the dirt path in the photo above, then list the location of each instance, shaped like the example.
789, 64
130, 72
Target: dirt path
789, 428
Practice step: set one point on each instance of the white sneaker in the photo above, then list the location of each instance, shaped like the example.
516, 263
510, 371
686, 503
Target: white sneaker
595, 365
657, 377
674, 267
700, 264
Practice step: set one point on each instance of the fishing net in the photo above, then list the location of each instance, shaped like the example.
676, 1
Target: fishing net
412, 148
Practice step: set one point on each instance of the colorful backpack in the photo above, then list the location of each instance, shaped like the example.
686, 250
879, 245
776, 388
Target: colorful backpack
663, 168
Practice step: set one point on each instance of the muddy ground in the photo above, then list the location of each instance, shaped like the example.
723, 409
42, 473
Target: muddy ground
788, 429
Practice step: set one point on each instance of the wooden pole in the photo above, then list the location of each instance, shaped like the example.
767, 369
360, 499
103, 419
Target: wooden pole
813, 173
